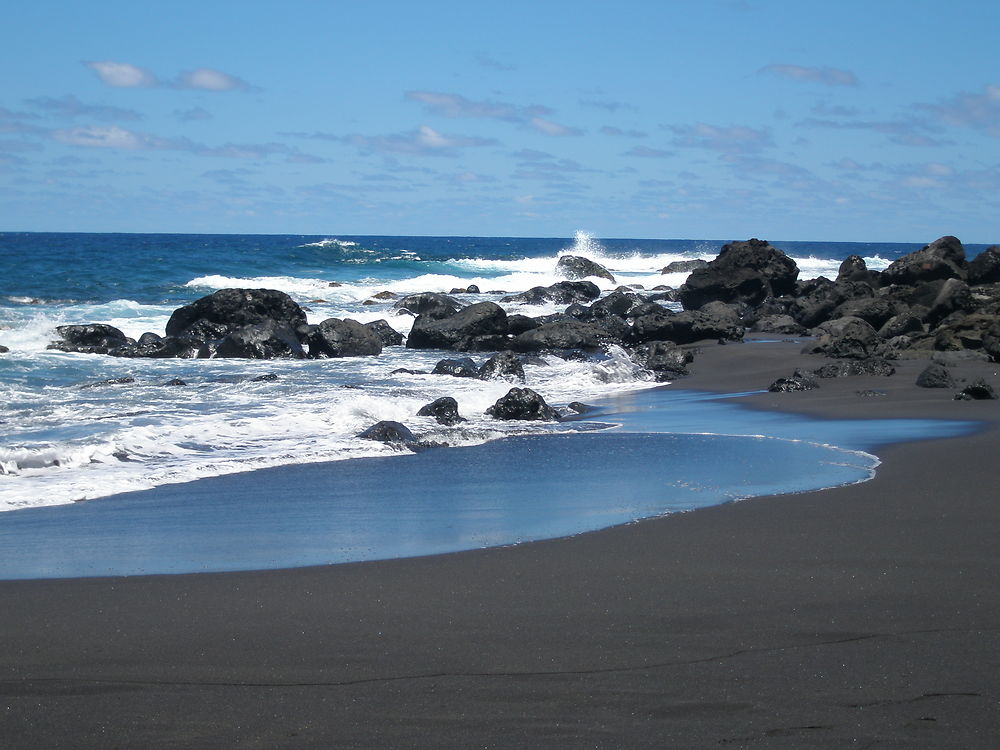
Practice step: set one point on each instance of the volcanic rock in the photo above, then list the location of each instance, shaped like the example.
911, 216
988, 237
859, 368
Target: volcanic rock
577, 267
229, 310
747, 272
444, 410
523, 404
93, 338
461, 330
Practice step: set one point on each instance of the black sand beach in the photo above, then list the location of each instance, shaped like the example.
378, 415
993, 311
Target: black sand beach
862, 616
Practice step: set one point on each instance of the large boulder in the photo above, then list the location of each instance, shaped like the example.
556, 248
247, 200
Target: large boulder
819, 299
266, 340
461, 330
664, 359
845, 337
523, 404
229, 310
565, 333
575, 267
388, 335
713, 321
985, 267
619, 303
747, 272
91, 338
561, 293
854, 268
431, 304
942, 259
343, 338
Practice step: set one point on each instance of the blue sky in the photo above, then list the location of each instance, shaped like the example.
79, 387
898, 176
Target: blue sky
848, 121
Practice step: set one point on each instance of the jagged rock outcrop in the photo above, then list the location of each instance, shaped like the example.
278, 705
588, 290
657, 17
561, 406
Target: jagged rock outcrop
942, 259
478, 327
747, 272
575, 267
228, 310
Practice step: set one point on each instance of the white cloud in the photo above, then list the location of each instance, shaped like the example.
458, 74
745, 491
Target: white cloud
977, 111
456, 105
208, 79
121, 75
126, 75
825, 76
103, 137
553, 128
425, 141
734, 139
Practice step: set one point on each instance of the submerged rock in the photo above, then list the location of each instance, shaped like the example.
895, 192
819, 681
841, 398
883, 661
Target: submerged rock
388, 431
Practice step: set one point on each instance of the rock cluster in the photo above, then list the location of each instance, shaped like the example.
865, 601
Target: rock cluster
243, 323
929, 302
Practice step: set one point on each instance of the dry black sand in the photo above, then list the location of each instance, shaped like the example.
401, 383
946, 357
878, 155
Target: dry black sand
865, 616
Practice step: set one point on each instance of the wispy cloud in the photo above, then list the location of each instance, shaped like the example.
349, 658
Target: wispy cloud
824, 76
487, 61
609, 105
733, 139
977, 111
619, 133
424, 141
552, 128
69, 106
121, 75
904, 132
195, 114
115, 137
126, 75
207, 79
455, 105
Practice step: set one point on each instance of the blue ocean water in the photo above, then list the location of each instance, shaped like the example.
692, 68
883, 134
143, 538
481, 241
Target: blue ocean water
64, 437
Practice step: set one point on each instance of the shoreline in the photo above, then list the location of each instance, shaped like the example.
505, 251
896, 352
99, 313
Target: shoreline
864, 613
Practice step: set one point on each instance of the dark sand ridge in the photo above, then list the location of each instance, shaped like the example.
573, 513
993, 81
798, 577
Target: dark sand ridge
861, 616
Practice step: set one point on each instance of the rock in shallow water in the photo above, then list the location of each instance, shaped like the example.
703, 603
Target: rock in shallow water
523, 404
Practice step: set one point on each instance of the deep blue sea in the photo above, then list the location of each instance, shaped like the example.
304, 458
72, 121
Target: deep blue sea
64, 439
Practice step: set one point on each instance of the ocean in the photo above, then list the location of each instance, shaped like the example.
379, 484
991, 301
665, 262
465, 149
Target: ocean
68, 433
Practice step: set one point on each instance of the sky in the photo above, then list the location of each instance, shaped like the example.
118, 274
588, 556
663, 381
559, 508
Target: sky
865, 121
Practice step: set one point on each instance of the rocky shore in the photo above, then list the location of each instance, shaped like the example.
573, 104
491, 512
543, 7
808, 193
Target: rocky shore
932, 304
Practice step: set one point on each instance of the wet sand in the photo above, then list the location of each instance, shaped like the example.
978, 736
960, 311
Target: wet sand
860, 616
